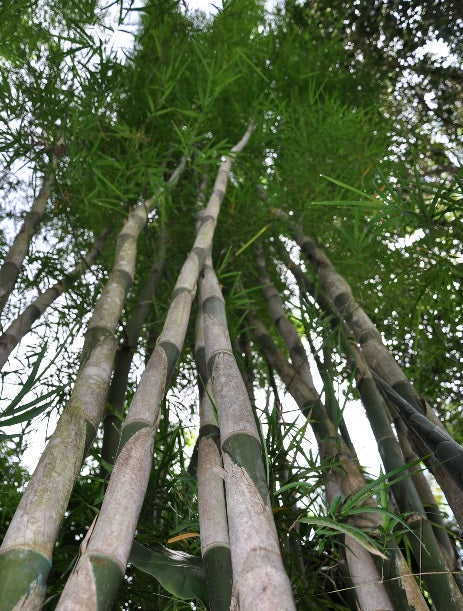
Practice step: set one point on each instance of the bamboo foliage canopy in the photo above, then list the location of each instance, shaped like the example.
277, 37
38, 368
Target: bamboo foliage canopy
255, 169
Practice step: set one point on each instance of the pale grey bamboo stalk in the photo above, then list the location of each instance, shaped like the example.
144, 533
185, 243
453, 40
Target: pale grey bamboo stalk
260, 581
14, 258
345, 479
23, 323
95, 580
213, 525
26, 552
362, 568
447, 473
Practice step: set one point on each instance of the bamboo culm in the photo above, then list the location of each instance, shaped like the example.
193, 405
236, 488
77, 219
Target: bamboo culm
259, 578
95, 580
26, 552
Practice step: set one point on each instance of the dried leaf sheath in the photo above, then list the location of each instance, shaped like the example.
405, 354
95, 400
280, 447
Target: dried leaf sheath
100, 569
26, 552
260, 581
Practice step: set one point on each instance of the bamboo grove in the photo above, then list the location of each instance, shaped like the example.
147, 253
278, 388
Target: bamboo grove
219, 262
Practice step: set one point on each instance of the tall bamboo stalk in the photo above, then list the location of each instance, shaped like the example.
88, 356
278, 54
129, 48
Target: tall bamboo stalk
26, 552
259, 578
391, 454
423, 543
23, 323
14, 258
345, 479
95, 580
448, 467
213, 525
126, 351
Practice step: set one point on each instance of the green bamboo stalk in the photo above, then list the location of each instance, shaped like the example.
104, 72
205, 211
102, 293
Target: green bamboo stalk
346, 479
429, 502
425, 548
14, 258
126, 351
26, 552
391, 454
23, 323
447, 468
95, 580
213, 526
259, 578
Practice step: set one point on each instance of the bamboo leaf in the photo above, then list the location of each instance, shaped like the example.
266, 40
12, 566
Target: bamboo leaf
253, 239
29, 383
345, 186
31, 404
25, 416
348, 203
253, 66
182, 537
179, 573
356, 533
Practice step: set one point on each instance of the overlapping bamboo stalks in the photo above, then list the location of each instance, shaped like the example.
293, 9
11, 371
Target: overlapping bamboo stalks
95, 580
22, 324
213, 523
17, 252
26, 551
444, 456
259, 578
345, 476
412, 495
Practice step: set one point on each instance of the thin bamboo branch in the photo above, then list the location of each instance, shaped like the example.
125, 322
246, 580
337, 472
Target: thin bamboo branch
23, 323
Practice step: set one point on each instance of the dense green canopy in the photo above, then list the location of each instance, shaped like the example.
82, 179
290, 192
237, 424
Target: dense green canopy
355, 138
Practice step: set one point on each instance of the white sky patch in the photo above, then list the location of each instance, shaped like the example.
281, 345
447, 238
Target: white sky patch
407, 240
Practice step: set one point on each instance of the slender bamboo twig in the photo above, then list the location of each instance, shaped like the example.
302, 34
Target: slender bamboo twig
23, 323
